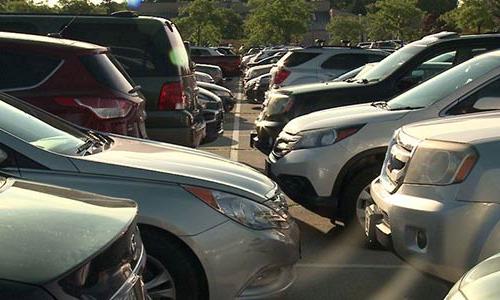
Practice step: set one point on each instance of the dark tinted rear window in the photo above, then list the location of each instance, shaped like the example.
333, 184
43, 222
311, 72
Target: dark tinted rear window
298, 58
24, 70
349, 61
147, 48
106, 72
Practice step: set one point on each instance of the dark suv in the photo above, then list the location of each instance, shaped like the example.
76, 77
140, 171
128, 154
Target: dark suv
400, 71
77, 81
151, 51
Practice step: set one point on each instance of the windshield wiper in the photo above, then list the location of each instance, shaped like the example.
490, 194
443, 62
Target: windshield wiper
366, 81
350, 80
407, 108
135, 89
380, 104
86, 146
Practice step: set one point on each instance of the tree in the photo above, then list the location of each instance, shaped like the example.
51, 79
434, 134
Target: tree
22, 6
207, 24
277, 21
345, 28
79, 7
395, 19
473, 16
437, 7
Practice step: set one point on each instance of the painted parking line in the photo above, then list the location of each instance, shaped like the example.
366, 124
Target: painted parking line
233, 154
351, 266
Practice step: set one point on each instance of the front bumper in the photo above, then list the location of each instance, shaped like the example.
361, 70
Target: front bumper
443, 237
267, 269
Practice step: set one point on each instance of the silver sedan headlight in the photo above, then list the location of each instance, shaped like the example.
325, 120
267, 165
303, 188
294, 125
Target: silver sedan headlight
242, 210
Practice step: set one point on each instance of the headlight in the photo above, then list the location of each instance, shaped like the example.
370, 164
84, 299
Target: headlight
323, 137
221, 93
278, 104
242, 210
440, 163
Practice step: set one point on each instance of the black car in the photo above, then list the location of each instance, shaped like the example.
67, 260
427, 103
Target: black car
213, 112
59, 243
224, 94
150, 49
400, 71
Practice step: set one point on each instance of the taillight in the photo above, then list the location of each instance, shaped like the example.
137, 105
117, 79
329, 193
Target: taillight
280, 76
172, 97
104, 108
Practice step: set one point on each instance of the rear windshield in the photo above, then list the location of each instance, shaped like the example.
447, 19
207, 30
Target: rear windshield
107, 72
298, 58
145, 48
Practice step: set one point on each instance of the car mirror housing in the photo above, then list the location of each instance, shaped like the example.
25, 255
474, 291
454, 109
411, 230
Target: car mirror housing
487, 103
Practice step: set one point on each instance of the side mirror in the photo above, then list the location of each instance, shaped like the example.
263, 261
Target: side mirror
187, 45
487, 103
3, 156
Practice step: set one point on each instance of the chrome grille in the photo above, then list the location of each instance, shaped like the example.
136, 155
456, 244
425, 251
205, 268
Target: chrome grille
284, 144
395, 164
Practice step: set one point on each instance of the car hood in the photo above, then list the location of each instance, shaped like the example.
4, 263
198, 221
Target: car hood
482, 281
150, 160
47, 231
342, 117
464, 129
316, 87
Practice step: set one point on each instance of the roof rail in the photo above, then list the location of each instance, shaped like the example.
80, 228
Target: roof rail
441, 35
125, 14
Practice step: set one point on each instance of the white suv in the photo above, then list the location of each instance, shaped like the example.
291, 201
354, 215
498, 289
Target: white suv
316, 64
436, 201
326, 160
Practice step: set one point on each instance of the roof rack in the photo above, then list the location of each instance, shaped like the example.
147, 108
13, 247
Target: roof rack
442, 35
125, 14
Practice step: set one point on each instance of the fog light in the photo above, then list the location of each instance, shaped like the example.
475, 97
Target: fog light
421, 239
266, 277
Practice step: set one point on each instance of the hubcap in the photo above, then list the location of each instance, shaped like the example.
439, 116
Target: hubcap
158, 281
364, 200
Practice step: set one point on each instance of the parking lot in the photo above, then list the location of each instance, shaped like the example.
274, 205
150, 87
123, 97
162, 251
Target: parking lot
335, 264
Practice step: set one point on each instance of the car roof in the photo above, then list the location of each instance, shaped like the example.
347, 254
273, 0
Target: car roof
451, 37
332, 49
47, 44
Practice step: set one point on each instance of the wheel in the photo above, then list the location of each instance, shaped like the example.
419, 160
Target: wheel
170, 272
356, 197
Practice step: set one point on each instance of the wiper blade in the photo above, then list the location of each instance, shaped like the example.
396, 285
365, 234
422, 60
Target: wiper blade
366, 81
135, 89
381, 104
85, 146
407, 108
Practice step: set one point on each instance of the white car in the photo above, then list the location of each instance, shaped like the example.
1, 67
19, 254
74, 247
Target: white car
326, 160
480, 283
436, 201
203, 77
319, 64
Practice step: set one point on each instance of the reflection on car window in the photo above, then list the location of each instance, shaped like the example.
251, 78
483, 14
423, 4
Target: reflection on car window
446, 83
50, 134
392, 62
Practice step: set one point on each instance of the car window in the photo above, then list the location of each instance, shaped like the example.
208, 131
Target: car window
297, 58
467, 105
51, 134
392, 62
345, 61
106, 72
19, 71
446, 83
143, 48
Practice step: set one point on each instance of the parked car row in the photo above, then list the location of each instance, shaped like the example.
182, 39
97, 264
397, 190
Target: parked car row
97, 212
429, 193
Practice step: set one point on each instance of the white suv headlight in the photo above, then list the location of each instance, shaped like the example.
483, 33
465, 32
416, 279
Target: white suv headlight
440, 163
242, 210
323, 137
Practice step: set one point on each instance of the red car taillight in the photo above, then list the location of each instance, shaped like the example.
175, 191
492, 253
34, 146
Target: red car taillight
281, 75
172, 97
104, 108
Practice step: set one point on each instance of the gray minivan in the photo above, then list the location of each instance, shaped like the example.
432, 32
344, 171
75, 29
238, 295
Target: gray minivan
150, 49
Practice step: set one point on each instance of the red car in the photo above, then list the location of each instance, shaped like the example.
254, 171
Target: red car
77, 81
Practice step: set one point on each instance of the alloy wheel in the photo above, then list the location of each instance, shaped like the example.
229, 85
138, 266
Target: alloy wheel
158, 281
364, 199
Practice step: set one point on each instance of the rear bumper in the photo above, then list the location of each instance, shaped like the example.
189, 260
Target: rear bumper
177, 127
265, 134
215, 124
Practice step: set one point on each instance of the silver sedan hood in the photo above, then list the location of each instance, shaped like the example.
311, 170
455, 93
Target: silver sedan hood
149, 160
342, 117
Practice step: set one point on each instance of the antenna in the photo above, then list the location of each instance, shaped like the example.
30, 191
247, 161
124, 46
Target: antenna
60, 33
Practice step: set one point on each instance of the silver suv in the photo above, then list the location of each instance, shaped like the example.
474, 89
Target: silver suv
316, 64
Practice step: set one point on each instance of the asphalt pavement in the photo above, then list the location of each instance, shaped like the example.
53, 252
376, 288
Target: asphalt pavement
335, 264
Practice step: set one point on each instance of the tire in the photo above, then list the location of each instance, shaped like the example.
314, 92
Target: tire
171, 272
356, 187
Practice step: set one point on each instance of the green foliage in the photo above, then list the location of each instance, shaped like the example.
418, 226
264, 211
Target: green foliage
63, 6
395, 19
203, 22
79, 7
277, 21
437, 7
474, 16
345, 28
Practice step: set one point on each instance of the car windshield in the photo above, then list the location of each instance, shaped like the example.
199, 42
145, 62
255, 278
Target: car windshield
40, 129
391, 63
445, 83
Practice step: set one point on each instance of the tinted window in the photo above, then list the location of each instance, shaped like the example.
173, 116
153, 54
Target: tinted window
298, 58
106, 72
466, 106
23, 70
345, 61
446, 83
392, 62
143, 48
